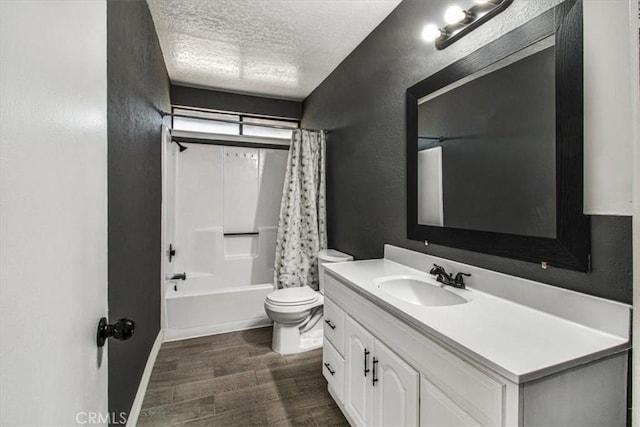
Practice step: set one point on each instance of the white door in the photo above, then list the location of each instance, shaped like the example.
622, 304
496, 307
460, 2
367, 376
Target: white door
395, 391
437, 410
53, 212
358, 359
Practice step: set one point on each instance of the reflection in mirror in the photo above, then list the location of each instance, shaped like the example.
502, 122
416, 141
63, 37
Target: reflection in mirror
487, 148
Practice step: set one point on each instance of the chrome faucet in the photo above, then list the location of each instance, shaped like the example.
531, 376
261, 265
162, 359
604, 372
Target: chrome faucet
447, 279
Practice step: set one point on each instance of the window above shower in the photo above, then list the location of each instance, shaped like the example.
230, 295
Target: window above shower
228, 123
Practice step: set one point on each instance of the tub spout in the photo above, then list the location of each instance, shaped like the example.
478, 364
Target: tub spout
178, 276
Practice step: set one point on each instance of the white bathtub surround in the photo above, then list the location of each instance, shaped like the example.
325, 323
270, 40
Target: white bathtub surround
430, 198
220, 192
302, 230
197, 313
516, 353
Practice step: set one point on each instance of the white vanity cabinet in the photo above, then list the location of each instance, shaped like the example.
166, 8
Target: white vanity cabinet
358, 397
438, 410
395, 391
333, 349
387, 373
380, 388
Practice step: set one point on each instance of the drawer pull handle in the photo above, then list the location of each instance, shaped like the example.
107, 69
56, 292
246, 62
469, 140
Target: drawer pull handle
374, 379
331, 371
331, 325
366, 361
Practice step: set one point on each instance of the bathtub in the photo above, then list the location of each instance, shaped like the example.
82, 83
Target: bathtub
197, 307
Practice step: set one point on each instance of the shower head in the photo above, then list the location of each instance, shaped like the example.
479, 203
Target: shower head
182, 147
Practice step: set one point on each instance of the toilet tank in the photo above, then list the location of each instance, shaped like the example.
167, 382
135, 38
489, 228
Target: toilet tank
327, 256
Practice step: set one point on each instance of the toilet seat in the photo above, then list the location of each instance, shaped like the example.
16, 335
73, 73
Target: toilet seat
288, 297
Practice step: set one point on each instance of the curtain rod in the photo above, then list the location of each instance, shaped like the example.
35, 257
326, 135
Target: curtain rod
240, 122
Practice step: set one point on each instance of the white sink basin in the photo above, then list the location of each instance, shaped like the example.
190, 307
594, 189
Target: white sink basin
419, 291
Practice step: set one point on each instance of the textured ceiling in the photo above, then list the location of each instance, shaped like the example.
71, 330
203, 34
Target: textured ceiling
277, 48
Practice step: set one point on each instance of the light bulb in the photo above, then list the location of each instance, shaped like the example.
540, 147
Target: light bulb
430, 32
454, 14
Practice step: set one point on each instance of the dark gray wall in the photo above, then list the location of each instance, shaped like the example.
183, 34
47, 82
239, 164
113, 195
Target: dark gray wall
138, 87
227, 101
362, 103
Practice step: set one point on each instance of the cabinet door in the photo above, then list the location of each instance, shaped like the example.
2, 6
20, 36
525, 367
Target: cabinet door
358, 356
333, 370
437, 410
395, 391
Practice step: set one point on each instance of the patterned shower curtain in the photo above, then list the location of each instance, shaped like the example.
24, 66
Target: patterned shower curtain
302, 228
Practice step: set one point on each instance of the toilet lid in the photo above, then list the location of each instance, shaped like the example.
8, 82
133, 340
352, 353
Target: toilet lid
331, 255
293, 296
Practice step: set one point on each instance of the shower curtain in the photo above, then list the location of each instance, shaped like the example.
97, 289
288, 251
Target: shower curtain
302, 228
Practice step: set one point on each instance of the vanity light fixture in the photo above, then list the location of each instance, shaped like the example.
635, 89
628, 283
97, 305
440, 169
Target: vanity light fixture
455, 15
431, 32
461, 22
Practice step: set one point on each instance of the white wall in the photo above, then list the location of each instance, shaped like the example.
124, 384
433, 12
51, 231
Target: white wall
634, 92
609, 117
53, 192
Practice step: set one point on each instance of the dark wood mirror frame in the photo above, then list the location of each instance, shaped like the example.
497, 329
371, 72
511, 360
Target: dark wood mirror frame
571, 247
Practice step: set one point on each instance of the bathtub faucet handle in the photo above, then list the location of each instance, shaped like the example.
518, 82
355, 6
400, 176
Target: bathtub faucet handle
171, 252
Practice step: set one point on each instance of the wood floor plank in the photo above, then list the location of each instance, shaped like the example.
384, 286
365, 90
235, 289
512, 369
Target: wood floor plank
177, 413
242, 417
306, 420
291, 408
249, 336
158, 397
307, 355
210, 387
283, 371
256, 396
268, 360
330, 415
181, 376
235, 379
178, 353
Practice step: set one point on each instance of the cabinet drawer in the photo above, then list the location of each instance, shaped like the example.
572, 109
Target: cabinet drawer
333, 370
334, 325
437, 410
478, 394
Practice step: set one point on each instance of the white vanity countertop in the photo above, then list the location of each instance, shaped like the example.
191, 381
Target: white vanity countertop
516, 341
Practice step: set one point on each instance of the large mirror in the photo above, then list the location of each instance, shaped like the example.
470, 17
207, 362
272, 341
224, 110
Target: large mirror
494, 147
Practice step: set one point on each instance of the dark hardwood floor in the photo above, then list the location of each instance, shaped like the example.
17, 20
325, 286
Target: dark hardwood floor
235, 379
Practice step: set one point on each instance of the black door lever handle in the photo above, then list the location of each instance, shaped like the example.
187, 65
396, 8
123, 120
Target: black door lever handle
121, 330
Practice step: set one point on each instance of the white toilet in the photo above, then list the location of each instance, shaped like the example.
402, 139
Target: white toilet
297, 312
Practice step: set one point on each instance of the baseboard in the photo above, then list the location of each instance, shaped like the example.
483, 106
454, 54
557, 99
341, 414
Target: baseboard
218, 328
134, 413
